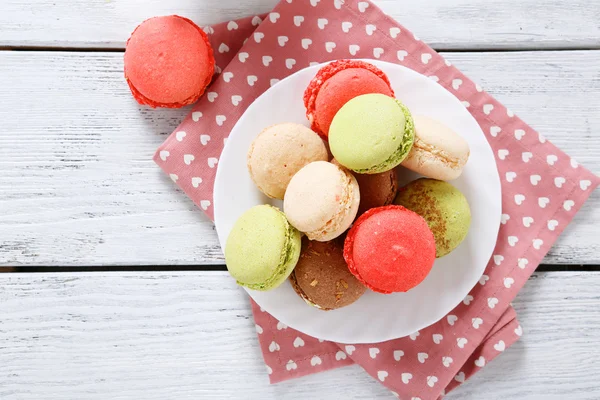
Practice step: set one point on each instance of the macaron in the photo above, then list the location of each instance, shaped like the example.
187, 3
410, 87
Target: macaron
168, 62
337, 83
321, 277
322, 200
377, 190
280, 151
438, 152
443, 206
262, 248
390, 249
371, 133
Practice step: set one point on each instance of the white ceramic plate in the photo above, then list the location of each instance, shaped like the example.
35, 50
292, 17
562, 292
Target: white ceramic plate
374, 317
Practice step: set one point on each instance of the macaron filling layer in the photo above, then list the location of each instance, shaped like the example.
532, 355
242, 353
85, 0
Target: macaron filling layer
289, 257
402, 151
301, 293
422, 146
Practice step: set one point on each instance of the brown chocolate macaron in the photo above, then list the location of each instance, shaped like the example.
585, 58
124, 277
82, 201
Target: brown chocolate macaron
376, 190
322, 278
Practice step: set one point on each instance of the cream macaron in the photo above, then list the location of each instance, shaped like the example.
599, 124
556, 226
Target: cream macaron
438, 152
322, 200
280, 151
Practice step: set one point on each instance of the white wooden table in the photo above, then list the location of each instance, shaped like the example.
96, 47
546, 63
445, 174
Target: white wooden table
118, 288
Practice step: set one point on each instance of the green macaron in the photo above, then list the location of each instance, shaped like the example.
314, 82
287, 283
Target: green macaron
371, 133
443, 206
262, 248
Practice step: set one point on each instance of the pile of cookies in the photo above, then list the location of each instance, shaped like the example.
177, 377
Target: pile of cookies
345, 224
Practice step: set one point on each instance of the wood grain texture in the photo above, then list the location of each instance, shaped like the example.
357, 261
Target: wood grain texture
78, 186
457, 24
191, 335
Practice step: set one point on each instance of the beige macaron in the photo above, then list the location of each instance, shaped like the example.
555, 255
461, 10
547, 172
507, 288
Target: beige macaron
280, 151
322, 200
438, 152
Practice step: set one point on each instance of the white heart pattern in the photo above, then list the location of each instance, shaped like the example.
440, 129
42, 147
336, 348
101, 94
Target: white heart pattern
329, 46
452, 319
431, 381
492, 302
282, 40
504, 219
585, 184
305, 43
298, 342
468, 299
196, 115
211, 96
422, 357
274, 16
377, 52
401, 54
559, 181
196, 181
370, 28
362, 6
340, 355
413, 336
204, 204
500, 346
508, 282
498, 259
373, 351
258, 328
223, 48
526, 156
322, 22
461, 342
346, 26
519, 331
568, 205
252, 79
437, 338
512, 240
212, 161
522, 263
281, 326
164, 154
291, 365
267, 60
552, 224
519, 199
382, 375
543, 202
394, 32
338, 4
274, 346
316, 360
535, 179
502, 153
447, 361
477, 322
227, 76
236, 99
425, 58
460, 377
510, 176
180, 135
298, 20
256, 20
220, 119
551, 159
350, 349
174, 177
188, 158
353, 49
243, 56
487, 108
406, 377
289, 63
484, 278
519, 133
258, 36
456, 83
537, 243
527, 221
495, 130
398, 354
480, 362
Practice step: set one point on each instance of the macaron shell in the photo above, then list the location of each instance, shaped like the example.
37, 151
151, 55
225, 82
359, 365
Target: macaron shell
262, 248
322, 200
322, 278
377, 190
332, 87
438, 152
390, 249
168, 62
443, 206
279, 152
371, 133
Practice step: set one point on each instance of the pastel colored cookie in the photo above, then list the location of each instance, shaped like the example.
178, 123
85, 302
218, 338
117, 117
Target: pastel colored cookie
262, 248
371, 133
279, 152
390, 249
443, 206
168, 62
322, 200
438, 152
321, 277
377, 190
337, 83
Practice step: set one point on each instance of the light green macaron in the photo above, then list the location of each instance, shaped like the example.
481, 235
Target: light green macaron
443, 206
262, 248
371, 133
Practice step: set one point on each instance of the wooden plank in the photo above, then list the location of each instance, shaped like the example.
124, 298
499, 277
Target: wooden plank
78, 186
459, 24
191, 335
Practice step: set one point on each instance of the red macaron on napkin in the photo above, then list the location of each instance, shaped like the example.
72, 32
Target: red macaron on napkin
542, 187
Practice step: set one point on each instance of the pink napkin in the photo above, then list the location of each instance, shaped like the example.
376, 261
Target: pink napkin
542, 188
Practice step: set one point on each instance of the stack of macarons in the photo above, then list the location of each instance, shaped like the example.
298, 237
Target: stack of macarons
338, 182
